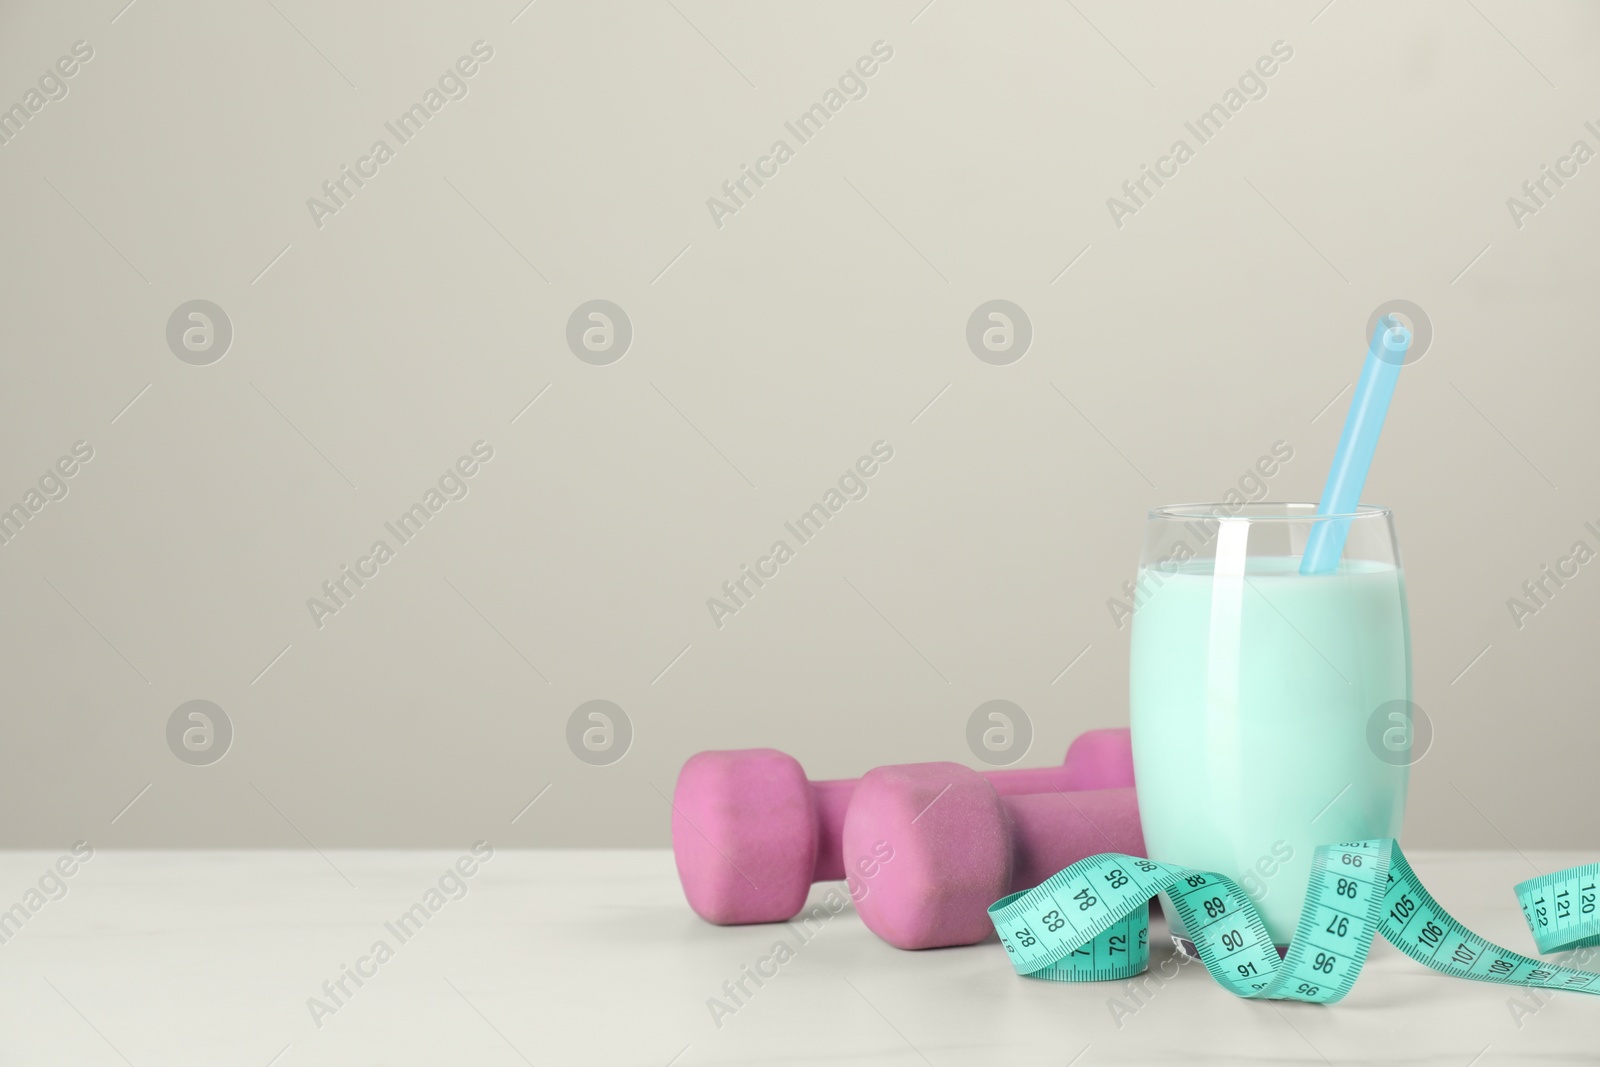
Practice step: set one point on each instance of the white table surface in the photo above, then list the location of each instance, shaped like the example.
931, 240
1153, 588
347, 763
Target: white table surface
593, 957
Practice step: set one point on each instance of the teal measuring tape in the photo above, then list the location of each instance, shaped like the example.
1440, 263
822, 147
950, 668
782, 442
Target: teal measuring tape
1090, 922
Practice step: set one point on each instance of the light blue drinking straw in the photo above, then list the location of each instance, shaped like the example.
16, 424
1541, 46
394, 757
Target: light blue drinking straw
1342, 492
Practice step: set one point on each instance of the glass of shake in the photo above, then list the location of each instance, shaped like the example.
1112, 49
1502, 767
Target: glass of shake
1256, 690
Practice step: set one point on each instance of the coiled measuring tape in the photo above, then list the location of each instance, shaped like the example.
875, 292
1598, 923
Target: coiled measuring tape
1090, 922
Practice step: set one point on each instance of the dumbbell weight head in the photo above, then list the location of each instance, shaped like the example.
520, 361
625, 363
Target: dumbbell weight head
951, 847
730, 873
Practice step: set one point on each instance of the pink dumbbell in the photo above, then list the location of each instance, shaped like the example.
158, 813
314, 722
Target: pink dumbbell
958, 844
751, 834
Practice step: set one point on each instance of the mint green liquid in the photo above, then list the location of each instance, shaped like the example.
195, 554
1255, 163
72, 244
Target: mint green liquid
1250, 700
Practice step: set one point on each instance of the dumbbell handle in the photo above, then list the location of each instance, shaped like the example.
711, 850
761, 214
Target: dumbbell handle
1097, 759
1050, 831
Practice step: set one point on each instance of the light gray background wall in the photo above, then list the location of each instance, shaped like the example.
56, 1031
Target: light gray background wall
767, 355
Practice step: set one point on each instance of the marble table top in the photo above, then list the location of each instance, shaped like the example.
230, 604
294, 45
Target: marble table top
592, 957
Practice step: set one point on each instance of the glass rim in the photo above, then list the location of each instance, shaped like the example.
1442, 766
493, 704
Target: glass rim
1288, 511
